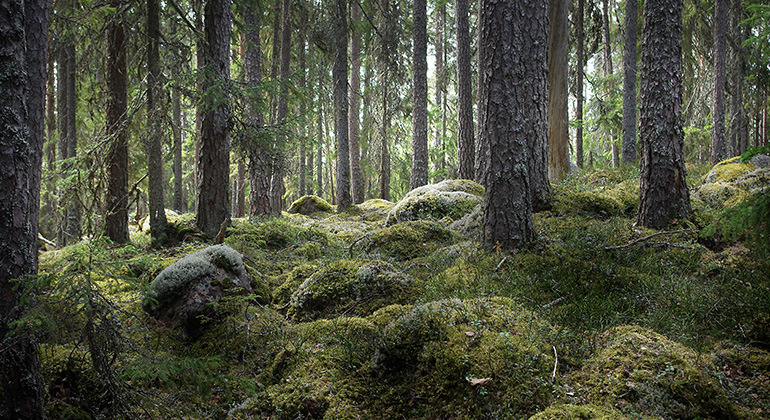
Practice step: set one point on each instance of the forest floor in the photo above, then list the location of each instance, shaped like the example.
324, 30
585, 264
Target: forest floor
355, 318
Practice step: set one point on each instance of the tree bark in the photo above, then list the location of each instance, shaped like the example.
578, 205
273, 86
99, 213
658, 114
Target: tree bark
340, 76
438, 143
176, 126
663, 194
356, 179
73, 231
608, 74
154, 124
465, 141
303, 130
61, 123
24, 44
482, 147
718, 110
579, 99
277, 187
629, 85
384, 152
116, 219
214, 191
558, 115
514, 58
420, 97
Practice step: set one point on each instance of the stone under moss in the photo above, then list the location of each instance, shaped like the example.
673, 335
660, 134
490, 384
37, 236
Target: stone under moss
650, 375
375, 209
408, 240
728, 170
310, 204
450, 198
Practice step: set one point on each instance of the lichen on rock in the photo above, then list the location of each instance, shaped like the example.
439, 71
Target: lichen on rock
451, 198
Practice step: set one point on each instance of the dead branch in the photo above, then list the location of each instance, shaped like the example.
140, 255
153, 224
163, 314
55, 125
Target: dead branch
648, 237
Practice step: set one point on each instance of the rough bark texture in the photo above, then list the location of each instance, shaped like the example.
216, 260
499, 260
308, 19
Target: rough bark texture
259, 166
515, 76
663, 194
558, 115
303, 130
319, 171
438, 143
718, 110
116, 219
420, 97
61, 128
155, 110
277, 186
579, 99
340, 76
384, 152
629, 85
738, 126
480, 165
465, 131
23, 46
214, 191
356, 178
608, 74
176, 127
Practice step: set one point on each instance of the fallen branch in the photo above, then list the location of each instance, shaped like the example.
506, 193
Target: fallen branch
350, 249
648, 237
556, 363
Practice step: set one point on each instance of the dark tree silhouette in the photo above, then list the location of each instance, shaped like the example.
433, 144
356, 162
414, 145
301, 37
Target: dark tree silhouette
340, 78
628, 145
420, 96
465, 130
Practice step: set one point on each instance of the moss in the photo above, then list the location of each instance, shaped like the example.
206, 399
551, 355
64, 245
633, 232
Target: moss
728, 170
743, 372
651, 375
74, 389
463, 359
450, 198
717, 195
408, 240
348, 287
578, 412
587, 202
310, 204
298, 275
273, 235
375, 209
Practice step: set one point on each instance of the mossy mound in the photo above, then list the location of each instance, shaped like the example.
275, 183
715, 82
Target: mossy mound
648, 374
719, 194
273, 235
348, 287
479, 358
310, 204
744, 372
75, 391
469, 225
623, 199
578, 412
728, 170
375, 209
408, 240
754, 182
451, 199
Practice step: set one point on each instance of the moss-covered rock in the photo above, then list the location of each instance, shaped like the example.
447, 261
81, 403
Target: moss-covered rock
716, 195
728, 170
480, 358
282, 294
648, 374
310, 204
578, 412
408, 240
348, 287
375, 209
588, 202
469, 225
450, 198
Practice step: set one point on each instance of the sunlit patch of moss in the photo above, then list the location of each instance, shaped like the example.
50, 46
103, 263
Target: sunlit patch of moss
449, 198
728, 170
375, 209
310, 204
463, 359
273, 234
717, 195
408, 240
348, 287
578, 412
743, 372
646, 373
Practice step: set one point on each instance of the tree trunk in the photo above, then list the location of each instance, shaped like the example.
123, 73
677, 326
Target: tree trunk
718, 110
277, 187
629, 85
214, 192
608, 74
384, 153
340, 76
73, 231
176, 126
24, 43
420, 97
579, 99
302, 137
480, 165
465, 141
154, 124
116, 219
438, 142
663, 194
319, 171
558, 115
514, 55
356, 179
200, 62
61, 122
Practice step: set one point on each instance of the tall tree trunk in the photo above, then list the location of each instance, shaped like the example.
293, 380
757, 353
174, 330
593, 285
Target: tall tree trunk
154, 123
24, 44
116, 219
61, 122
176, 126
629, 85
579, 99
718, 110
73, 232
277, 187
420, 97
558, 115
384, 153
480, 165
356, 179
608, 74
200, 63
303, 130
514, 55
438, 142
259, 166
465, 130
663, 194
319, 171
214, 191
340, 76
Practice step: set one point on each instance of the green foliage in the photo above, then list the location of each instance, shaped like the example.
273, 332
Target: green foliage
582, 412
749, 219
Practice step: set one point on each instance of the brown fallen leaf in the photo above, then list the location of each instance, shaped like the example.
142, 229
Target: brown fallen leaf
479, 381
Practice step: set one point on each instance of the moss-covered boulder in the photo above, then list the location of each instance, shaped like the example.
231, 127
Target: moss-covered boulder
578, 412
310, 204
728, 170
375, 209
348, 287
408, 240
479, 358
452, 198
469, 225
645, 373
183, 293
621, 199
